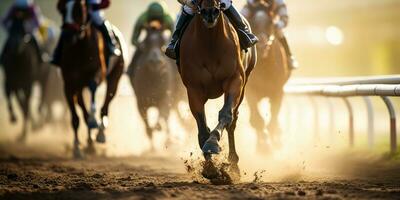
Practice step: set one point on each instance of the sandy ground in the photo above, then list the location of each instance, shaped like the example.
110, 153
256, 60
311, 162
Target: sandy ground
166, 178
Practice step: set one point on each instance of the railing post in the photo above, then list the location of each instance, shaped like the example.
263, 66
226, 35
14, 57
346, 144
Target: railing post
370, 121
316, 118
331, 121
392, 114
351, 121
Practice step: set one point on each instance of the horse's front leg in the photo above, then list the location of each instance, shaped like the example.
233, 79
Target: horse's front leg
196, 102
233, 90
92, 122
112, 86
69, 95
90, 148
13, 118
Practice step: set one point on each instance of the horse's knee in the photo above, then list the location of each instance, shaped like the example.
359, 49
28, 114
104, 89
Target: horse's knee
225, 116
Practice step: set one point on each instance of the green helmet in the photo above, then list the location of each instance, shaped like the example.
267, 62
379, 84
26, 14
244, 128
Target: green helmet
156, 9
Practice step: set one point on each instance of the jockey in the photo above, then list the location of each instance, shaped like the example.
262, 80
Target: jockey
278, 9
97, 17
188, 11
31, 21
156, 11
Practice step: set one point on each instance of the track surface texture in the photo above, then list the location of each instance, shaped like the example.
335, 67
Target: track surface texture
163, 178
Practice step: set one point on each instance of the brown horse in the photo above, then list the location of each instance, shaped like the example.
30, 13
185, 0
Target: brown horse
270, 76
211, 65
83, 65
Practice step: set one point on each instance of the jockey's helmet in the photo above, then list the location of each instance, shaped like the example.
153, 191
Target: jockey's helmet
156, 10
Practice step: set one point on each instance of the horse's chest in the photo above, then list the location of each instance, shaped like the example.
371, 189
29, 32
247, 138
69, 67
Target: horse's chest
208, 74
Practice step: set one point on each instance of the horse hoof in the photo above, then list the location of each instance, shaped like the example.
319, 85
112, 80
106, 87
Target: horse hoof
101, 137
211, 146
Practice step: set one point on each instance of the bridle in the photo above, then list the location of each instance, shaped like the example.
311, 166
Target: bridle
197, 3
76, 27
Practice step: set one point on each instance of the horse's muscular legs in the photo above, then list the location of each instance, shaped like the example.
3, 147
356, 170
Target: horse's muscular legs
92, 123
273, 126
112, 85
233, 91
74, 120
13, 119
196, 102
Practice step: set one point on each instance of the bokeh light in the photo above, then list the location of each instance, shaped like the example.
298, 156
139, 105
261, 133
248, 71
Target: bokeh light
334, 35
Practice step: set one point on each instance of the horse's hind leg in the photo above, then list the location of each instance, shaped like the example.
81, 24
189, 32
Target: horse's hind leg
75, 122
149, 130
90, 149
258, 123
92, 122
24, 96
13, 118
233, 156
164, 119
112, 85
273, 126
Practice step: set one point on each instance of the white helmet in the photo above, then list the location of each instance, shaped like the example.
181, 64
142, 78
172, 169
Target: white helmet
23, 3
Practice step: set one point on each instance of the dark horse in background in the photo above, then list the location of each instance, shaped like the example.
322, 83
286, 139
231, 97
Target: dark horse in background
83, 64
21, 66
212, 64
154, 81
270, 76
51, 84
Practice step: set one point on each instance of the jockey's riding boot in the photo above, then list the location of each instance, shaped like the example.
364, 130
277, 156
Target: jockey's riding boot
109, 37
292, 62
247, 39
183, 21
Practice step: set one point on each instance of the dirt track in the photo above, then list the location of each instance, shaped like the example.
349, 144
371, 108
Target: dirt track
161, 178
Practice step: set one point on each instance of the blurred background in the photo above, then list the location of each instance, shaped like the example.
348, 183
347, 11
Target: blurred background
329, 38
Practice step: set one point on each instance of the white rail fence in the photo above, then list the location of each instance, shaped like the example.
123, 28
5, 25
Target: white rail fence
365, 87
